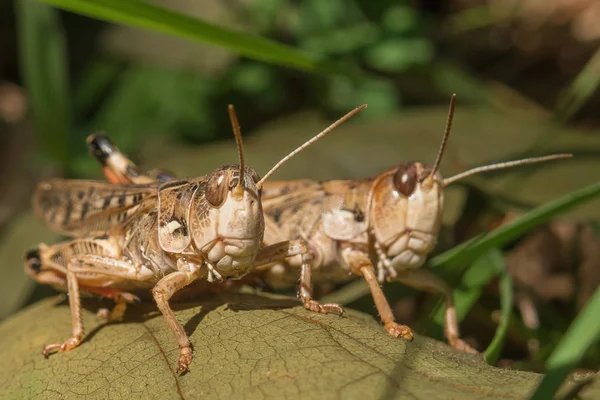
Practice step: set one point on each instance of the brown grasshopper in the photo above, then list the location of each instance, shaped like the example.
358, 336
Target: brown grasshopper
380, 228
163, 236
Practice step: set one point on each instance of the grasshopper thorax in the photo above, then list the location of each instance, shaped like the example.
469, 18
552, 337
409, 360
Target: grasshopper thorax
406, 209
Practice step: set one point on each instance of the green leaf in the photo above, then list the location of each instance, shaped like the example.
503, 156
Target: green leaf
245, 346
43, 63
149, 16
583, 332
492, 353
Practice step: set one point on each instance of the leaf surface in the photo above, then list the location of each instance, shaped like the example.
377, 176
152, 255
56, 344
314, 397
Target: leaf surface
245, 345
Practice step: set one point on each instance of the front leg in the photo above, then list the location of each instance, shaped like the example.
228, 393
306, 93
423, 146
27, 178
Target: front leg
281, 251
361, 265
385, 270
162, 292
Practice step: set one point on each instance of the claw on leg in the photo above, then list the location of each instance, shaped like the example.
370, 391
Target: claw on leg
70, 344
185, 359
282, 250
315, 306
363, 266
305, 290
396, 330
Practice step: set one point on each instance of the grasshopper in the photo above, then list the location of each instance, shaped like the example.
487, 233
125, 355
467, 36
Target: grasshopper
380, 228
161, 236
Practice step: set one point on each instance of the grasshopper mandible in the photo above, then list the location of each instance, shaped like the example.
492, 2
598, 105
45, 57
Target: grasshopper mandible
381, 229
163, 236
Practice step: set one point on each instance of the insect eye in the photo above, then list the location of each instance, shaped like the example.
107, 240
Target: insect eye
405, 179
216, 189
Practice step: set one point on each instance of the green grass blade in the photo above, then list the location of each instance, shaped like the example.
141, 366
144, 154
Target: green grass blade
159, 19
492, 353
479, 273
583, 332
474, 279
582, 88
464, 254
43, 64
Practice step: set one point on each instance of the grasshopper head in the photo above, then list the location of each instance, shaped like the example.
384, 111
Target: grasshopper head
407, 203
231, 232
226, 220
236, 205
406, 211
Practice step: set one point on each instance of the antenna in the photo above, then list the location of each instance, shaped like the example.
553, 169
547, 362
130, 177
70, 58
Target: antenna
309, 142
235, 125
502, 165
440, 153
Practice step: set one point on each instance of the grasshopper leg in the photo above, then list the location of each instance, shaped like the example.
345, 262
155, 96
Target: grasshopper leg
281, 251
362, 266
92, 265
162, 292
76, 320
427, 281
118, 312
116, 167
101, 268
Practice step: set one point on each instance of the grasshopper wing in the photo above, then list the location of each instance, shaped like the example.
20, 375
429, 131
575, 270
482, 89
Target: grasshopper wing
83, 207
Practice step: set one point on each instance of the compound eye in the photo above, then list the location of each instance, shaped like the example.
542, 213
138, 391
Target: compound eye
405, 179
216, 189
255, 176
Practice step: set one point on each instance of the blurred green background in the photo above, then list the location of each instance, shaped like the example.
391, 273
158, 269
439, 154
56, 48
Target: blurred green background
159, 80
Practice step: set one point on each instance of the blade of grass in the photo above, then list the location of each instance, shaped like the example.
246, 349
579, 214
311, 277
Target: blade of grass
149, 16
43, 64
467, 293
95, 80
464, 254
492, 353
582, 88
348, 293
583, 332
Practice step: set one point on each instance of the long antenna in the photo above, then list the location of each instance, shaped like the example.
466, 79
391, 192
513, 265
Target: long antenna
308, 143
440, 153
235, 125
503, 165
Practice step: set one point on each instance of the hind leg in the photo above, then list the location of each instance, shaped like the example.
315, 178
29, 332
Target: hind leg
117, 167
97, 272
76, 320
